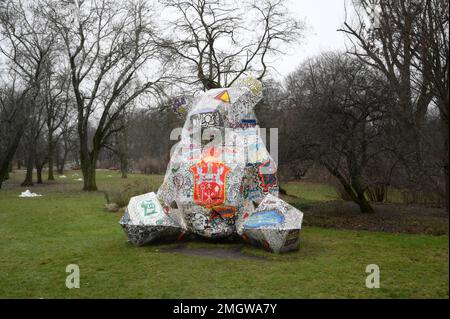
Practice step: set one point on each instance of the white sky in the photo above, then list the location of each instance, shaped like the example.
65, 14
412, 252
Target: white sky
323, 18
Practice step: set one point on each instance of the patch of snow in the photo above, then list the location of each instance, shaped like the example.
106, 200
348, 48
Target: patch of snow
27, 193
79, 179
62, 176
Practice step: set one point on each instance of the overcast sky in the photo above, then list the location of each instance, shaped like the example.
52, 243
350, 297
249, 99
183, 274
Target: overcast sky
323, 18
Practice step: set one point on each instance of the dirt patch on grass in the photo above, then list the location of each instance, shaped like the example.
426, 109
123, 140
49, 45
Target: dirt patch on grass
387, 218
227, 253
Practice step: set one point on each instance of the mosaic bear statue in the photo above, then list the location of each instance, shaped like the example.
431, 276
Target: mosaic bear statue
221, 180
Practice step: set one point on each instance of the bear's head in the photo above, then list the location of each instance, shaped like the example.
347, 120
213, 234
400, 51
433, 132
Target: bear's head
231, 107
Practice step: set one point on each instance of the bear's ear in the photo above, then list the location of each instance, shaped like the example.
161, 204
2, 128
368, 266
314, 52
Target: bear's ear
181, 106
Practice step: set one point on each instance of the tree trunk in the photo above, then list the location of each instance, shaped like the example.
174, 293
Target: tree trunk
61, 161
363, 203
77, 161
6, 177
123, 151
123, 162
361, 200
353, 189
39, 173
8, 156
60, 167
88, 163
89, 177
57, 157
10, 169
29, 175
124, 167
51, 152
445, 161
3, 174
446, 186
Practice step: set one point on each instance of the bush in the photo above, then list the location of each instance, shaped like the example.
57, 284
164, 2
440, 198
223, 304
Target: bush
75, 167
149, 165
377, 193
423, 198
135, 188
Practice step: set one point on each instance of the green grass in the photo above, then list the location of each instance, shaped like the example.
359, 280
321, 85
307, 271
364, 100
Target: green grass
311, 191
40, 236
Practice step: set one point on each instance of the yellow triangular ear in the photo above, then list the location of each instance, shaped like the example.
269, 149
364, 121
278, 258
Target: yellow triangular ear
224, 96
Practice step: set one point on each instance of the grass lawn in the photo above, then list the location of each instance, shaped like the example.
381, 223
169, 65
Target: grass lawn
40, 236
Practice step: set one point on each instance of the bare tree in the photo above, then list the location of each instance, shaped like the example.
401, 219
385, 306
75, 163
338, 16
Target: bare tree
382, 36
56, 98
118, 143
12, 123
408, 42
146, 150
218, 41
108, 45
32, 135
26, 43
432, 36
41, 156
341, 111
66, 142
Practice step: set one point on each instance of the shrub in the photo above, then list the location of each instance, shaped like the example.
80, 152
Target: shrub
377, 193
424, 198
149, 165
135, 188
